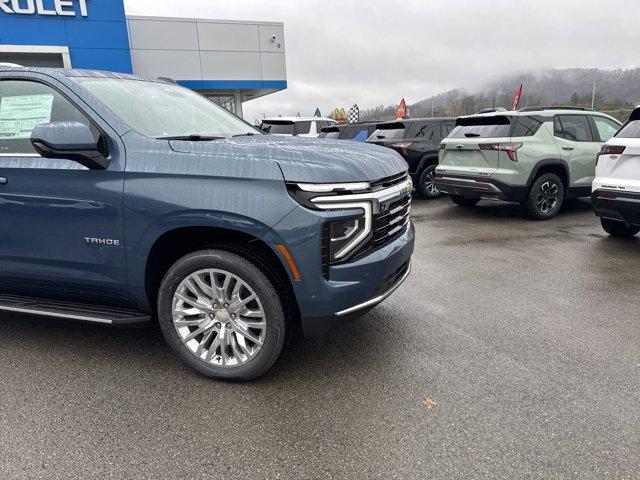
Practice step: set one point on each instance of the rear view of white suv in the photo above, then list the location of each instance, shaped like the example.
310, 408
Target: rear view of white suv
616, 187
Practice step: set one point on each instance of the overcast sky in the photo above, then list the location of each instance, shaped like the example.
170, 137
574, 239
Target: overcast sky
375, 52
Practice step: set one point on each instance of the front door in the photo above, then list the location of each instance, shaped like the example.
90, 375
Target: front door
61, 230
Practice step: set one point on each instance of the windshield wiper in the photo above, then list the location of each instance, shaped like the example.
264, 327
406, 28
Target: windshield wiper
192, 138
468, 135
248, 134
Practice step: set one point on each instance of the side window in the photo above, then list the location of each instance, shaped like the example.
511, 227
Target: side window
574, 128
526, 126
302, 128
605, 127
26, 104
425, 132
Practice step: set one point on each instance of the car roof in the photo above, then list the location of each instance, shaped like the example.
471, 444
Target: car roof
414, 120
296, 119
544, 111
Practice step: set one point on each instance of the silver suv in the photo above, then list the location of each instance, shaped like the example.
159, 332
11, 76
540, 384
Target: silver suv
538, 156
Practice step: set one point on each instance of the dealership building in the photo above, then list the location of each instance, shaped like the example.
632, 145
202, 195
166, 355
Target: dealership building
228, 61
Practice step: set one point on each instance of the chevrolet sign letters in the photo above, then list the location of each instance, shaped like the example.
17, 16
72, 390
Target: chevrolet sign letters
62, 8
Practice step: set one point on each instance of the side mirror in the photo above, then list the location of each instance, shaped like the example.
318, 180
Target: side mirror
72, 141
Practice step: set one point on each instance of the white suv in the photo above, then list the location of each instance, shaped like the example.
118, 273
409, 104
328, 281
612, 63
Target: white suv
616, 187
296, 126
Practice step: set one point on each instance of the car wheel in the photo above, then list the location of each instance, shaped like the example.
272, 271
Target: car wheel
545, 197
619, 229
464, 201
221, 315
426, 183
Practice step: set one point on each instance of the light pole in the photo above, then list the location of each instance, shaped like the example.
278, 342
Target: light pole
593, 93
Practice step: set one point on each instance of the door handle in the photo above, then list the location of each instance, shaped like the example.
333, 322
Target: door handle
3, 181
568, 149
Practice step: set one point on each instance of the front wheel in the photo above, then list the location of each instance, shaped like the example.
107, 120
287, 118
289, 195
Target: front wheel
545, 197
426, 182
221, 315
464, 201
619, 229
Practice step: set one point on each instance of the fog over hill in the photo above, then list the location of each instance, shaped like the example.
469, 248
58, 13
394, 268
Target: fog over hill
617, 91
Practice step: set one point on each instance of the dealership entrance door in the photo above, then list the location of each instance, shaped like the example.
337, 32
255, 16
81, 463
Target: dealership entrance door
35, 56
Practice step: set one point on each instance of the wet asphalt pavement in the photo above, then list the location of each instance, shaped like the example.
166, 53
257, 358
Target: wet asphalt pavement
512, 351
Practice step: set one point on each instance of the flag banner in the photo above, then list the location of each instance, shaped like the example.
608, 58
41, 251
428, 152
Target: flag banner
317, 112
354, 114
517, 93
401, 111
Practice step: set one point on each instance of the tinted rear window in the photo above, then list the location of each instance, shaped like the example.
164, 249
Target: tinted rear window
286, 128
630, 130
482, 127
389, 131
348, 133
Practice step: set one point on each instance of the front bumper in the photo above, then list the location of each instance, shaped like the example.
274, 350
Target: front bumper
616, 205
355, 287
479, 187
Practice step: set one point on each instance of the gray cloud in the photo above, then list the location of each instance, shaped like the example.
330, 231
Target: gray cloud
341, 51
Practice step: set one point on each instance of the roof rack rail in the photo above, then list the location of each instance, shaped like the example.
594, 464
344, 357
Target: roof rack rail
12, 65
552, 107
491, 110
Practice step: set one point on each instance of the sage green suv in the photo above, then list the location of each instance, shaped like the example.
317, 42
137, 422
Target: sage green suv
538, 156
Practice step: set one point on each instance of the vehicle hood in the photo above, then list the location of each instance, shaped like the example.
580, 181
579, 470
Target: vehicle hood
306, 159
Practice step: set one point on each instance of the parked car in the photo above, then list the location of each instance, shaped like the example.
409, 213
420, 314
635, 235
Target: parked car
358, 132
295, 126
538, 156
124, 199
417, 141
616, 188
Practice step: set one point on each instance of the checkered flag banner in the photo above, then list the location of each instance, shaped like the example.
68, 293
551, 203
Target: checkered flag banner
354, 114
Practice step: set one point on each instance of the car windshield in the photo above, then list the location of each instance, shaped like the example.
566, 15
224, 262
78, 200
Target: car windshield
157, 110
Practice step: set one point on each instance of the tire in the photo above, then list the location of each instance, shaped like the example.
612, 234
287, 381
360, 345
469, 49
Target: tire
464, 201
425, 184
619, 229
246, 355
545, 197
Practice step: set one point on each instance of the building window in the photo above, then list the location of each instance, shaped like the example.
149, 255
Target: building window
225, 101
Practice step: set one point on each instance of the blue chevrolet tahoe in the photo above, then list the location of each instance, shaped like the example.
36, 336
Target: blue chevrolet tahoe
125, 199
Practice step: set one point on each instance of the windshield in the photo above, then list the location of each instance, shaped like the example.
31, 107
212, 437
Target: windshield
161, 110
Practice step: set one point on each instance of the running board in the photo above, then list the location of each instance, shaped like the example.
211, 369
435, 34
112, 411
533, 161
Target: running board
71, 311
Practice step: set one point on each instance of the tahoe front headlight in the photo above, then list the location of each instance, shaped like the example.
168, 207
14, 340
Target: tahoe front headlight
343, 236
346, 235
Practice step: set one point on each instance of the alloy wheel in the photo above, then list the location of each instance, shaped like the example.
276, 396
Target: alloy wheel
219, 317
430, 183
547, 197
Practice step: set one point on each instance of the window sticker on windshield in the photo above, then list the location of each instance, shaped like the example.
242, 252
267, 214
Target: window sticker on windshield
20, 114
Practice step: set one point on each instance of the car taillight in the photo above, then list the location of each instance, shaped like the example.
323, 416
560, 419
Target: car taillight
610, 150
402, 147
509, 148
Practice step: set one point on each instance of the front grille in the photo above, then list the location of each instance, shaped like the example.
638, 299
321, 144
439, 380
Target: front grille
389, 181
391, 222
390, 280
